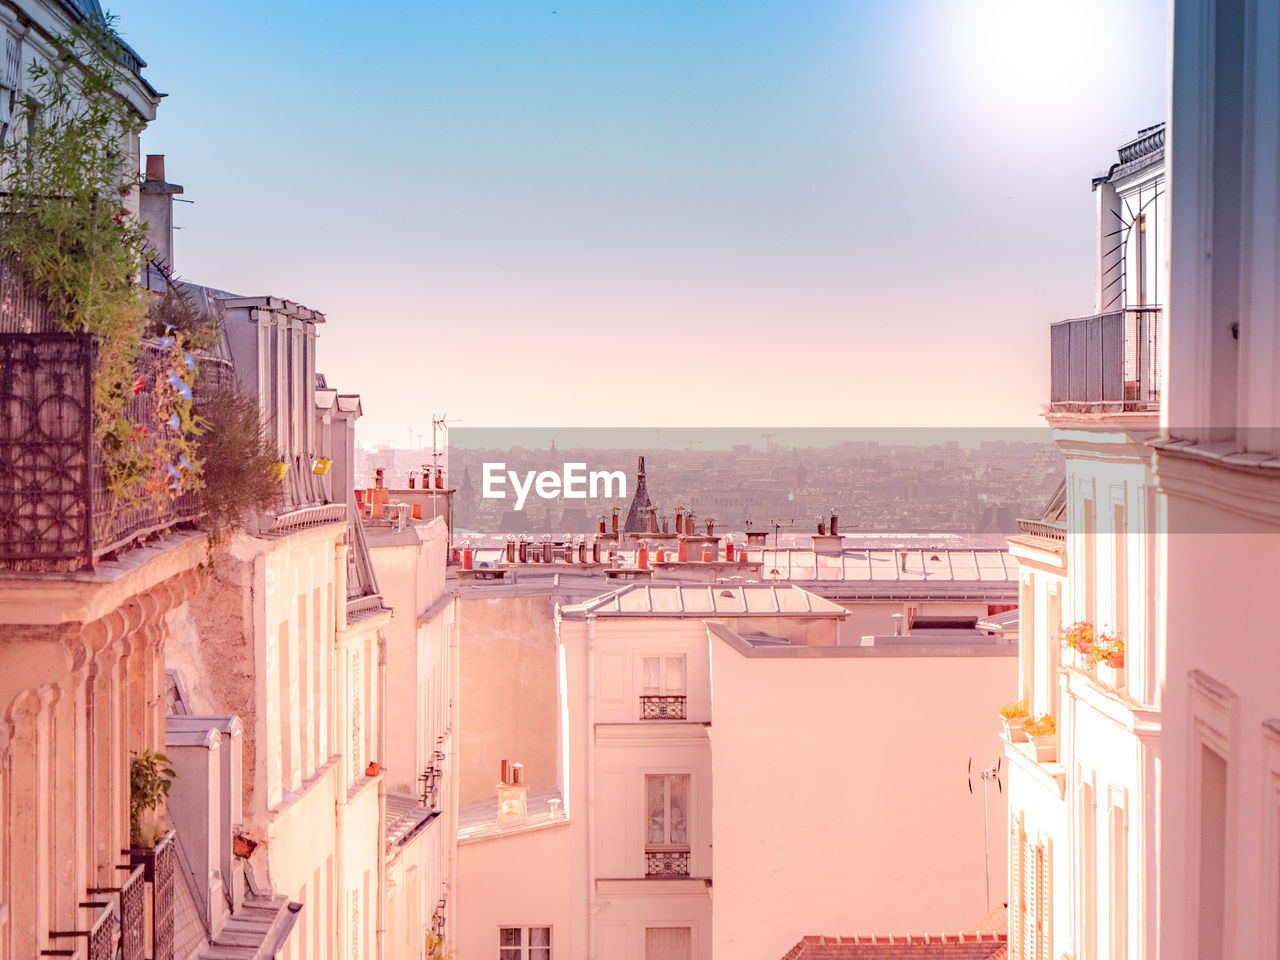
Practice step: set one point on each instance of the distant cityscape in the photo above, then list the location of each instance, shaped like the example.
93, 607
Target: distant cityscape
874, 486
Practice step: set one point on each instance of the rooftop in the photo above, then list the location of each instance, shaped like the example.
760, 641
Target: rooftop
956, 946
707, 600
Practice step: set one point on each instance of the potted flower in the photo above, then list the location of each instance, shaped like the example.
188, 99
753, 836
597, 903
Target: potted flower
1081, 638
279, 470
321, 466
1109, 649
1014, 715
150, 778
1042, 731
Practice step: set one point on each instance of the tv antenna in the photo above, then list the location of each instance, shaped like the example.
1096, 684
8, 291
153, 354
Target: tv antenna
988, 774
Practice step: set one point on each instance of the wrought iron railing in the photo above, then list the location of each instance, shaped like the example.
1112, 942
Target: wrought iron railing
100, 937
1112, 359
133, 916
1053, 529
662, 707
56, 510
666, 863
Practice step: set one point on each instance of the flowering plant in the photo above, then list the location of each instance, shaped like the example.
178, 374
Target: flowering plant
1012, 711
1094, 646
1041, 726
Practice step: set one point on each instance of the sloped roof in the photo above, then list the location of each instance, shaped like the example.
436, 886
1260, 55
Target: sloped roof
707, 600
959, 946
918, 564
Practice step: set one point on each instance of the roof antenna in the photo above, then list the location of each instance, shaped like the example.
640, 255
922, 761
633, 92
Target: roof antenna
987, 774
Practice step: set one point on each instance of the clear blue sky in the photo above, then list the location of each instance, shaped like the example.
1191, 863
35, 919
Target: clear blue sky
853, 213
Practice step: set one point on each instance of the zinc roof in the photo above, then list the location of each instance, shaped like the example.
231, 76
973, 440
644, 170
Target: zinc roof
707, 600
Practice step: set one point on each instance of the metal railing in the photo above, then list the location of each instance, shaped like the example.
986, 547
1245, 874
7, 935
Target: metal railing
1054, 530
1111, 360
56, 509
662, 707
666, 863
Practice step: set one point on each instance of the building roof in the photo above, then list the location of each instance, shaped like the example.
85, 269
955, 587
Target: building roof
915, 565
707, 600
406, 816
956, 946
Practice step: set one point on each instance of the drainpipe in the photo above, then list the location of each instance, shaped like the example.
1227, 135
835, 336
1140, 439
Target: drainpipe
589, 772
344, 710
381, 932
455, 708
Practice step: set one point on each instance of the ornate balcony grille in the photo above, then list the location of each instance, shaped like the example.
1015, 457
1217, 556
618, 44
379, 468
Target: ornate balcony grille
54, 512
1054, 530
666, 863
662, 707
166, 862
100, 936
133, 917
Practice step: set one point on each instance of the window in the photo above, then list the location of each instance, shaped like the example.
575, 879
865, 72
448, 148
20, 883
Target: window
667, 825
668, 943
1029, 931
1213, 842
662, 675
524, 943
662, 694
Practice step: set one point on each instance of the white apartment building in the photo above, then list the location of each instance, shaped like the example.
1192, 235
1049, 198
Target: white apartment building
729, 780
1084, 851
1217, 466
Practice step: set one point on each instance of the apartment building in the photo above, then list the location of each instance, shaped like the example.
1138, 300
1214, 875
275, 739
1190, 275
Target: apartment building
1084, 852
713, 740
1216, 465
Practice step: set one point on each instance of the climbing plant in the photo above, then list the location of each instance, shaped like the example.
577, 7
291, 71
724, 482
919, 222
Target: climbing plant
66, 224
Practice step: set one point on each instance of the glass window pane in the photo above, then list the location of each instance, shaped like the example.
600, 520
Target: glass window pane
509, 937
539, 953
539, 936
652, 680
510, 953
679, 809
654, 802
675, 675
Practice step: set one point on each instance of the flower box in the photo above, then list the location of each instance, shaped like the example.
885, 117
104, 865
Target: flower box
279, 470
321, 466
1045, 747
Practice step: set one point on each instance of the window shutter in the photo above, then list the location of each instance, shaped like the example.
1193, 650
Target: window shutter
1028, 899
1015, 889
1042, 903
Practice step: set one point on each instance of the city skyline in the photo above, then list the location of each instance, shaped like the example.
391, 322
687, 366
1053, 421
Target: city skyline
587, 202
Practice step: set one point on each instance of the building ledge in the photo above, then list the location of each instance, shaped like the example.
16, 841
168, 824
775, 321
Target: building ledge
645, 732
615, 887
1141, 720
1050, 776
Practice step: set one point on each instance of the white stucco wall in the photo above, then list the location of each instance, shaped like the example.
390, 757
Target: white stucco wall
841, 796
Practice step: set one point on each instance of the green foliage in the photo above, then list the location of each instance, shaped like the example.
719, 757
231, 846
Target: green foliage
65, 223
237, 461
150, 778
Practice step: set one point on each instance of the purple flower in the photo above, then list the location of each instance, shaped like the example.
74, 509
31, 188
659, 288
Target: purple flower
183, 460
184, 392
174, 471
191, 361
174, 421
166, 341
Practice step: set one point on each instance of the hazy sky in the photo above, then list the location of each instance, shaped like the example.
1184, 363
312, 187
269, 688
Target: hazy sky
797, 213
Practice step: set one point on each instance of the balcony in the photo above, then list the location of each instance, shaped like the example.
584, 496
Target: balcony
55, 505
666, 863
1052, 529
662, 707
1107, 363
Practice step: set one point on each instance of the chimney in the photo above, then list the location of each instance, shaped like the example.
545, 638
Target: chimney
834, 522
156, 209
679, 521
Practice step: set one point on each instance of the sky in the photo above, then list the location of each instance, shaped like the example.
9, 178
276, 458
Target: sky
796, 213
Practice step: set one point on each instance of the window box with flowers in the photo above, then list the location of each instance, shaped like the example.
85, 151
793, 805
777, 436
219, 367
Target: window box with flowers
1093, 648
1013, 716
1042, 731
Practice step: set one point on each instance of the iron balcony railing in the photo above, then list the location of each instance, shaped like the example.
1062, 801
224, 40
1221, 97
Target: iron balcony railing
666, 863
662, 707
1053, 529
1110, 361
55, 506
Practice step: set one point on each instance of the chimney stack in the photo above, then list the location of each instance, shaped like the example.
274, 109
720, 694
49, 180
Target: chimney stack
155, 208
